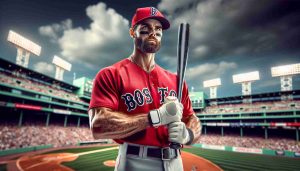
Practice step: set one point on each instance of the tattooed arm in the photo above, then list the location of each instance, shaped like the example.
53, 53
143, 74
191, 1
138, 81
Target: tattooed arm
108, 124
193, 123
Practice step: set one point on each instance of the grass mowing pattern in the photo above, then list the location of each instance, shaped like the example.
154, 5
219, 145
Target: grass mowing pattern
228, 161
93, 161
233, 161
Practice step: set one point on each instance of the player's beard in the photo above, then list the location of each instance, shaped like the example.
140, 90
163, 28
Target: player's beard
147, 47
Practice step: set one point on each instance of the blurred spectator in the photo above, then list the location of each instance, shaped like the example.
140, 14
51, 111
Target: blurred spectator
251, 142
34, 135
252, 107
12, 136
37, 86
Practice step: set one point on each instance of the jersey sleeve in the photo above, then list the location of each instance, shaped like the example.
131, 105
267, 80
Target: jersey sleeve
186, 102
105, 91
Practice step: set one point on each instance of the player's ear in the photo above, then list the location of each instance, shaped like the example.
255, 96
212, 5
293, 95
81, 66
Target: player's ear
131, 32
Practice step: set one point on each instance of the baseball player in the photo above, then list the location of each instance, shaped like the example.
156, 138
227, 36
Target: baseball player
134, 102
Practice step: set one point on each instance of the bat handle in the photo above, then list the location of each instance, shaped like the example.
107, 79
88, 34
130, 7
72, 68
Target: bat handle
175, 145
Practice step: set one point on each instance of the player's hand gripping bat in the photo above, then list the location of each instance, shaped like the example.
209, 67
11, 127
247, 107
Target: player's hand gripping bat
182, 54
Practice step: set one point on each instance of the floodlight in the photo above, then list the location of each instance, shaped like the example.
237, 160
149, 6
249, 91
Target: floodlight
24, 43
285, 70
246, 77
62, 63
212, 83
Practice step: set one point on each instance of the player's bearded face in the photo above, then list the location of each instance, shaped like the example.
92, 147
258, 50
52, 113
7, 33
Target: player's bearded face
148, 45
148, 38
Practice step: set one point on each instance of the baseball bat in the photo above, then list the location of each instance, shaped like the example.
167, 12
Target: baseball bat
182, 54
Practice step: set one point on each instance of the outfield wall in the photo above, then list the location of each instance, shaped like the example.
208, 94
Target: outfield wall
250, 150
264, 151
23, 150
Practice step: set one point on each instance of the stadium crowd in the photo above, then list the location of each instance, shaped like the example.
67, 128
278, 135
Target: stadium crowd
26, 83
12, 136
34, 135
253, 107
251, 142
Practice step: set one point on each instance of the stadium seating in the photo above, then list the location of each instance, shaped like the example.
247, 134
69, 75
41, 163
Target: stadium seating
19, 81
253, 107
12, 136
251, 142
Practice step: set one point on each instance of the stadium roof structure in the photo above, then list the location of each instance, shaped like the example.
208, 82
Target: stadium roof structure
34, 74
259, 96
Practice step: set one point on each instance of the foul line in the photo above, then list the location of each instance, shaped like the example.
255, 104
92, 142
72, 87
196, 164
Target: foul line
95, 151
58, 158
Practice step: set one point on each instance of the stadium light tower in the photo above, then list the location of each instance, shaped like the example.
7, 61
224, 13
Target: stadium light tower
245, 79
24, 48
61, 65
213, 85
286, 72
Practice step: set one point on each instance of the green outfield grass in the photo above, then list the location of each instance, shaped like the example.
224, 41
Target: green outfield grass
229, 161
79, 150
93, 161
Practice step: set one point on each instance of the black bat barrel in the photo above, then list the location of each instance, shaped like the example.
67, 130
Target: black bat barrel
182, 53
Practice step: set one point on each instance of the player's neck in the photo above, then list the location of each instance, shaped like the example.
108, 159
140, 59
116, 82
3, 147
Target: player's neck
143, 60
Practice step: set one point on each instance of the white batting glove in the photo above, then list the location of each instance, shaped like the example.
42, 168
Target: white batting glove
170, 111
178, 133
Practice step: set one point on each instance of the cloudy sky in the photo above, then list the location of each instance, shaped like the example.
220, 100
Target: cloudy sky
227, 37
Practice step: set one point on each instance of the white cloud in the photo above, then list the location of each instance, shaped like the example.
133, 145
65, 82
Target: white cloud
53, 31
209, 70
224, 28
205, 21
200, 51
104, 42
44, 68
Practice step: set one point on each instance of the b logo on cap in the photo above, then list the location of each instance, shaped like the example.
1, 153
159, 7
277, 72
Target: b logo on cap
153, 11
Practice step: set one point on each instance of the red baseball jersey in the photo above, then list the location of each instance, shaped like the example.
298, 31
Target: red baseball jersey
127, 88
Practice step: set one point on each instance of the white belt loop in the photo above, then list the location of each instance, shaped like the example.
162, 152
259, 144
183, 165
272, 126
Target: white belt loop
141, 152
145, 152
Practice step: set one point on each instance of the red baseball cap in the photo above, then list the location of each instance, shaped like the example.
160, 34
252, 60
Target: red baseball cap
147, 13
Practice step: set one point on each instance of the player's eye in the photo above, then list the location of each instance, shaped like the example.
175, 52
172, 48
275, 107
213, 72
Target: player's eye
158, 34
144, 32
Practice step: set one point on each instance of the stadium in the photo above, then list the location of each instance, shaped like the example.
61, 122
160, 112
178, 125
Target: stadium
45, 126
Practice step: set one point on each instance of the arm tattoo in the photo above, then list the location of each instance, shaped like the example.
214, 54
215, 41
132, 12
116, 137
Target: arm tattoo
194, 124
108, 124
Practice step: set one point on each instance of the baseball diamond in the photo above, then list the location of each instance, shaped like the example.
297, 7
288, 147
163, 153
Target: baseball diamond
103, 158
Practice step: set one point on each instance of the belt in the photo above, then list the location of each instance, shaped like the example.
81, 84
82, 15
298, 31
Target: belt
166, 153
